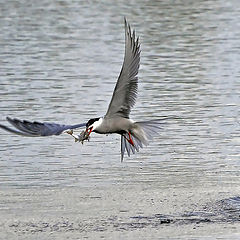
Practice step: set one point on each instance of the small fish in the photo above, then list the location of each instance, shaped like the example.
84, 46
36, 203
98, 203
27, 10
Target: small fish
84, 135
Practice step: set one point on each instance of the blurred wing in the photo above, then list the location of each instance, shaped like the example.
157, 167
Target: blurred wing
36, 129
125, 92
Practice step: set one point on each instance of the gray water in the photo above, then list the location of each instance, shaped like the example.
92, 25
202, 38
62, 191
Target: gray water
59, 62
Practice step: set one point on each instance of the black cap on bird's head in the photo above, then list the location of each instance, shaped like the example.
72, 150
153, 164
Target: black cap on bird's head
91, 121
92, 124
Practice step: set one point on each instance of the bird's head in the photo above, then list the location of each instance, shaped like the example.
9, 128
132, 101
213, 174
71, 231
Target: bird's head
93, 124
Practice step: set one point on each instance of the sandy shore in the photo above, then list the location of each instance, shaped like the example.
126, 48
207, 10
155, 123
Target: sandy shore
117, 212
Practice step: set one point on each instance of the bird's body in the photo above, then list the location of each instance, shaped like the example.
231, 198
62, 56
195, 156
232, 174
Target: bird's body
114, 125
116, 120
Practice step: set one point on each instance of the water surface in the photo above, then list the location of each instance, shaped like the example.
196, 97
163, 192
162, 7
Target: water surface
60, 61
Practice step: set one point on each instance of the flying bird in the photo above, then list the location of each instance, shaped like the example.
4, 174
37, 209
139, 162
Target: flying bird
133, 134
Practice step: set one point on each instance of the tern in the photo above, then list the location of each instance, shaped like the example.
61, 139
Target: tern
133, 134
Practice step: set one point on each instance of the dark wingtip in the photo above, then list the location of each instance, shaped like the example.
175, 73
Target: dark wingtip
127, 26
8, 129
122, 155
10, 120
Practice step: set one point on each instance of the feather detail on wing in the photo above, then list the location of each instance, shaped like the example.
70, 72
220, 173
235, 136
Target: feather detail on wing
36, 129
125, 92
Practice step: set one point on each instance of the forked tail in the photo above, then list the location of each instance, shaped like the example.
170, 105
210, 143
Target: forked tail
139, 135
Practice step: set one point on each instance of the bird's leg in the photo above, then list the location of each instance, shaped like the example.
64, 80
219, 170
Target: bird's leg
70, 132
130, 139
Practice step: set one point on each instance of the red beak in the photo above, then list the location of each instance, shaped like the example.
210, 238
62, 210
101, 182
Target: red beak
89, 130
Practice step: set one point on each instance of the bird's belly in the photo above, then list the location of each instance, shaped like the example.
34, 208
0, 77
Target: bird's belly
116, 125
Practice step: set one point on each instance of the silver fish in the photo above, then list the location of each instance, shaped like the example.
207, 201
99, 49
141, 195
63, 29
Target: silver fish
84, 135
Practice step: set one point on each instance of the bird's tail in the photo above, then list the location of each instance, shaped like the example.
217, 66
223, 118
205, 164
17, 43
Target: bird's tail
139, 135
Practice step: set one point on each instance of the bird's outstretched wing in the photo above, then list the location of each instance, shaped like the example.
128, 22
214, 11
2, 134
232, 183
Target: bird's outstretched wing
125, 92
37, 129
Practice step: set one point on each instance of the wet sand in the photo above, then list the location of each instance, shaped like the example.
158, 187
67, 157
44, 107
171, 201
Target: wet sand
118, 212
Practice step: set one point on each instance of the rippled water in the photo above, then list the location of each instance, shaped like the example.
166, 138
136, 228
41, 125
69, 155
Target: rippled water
60, 61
